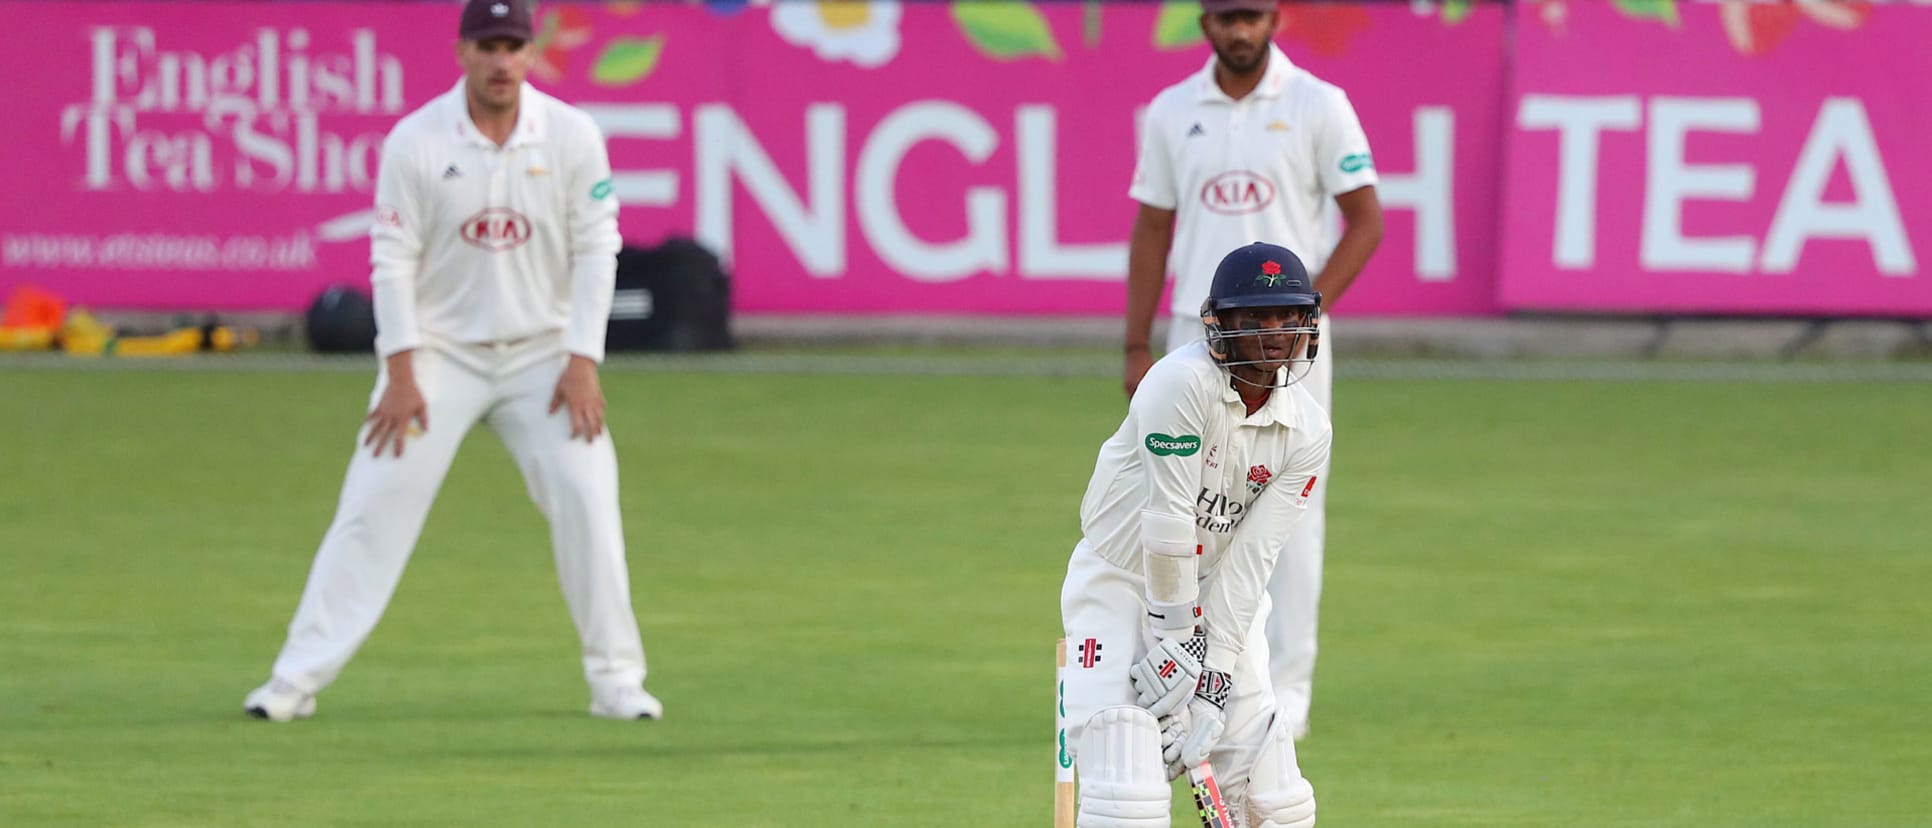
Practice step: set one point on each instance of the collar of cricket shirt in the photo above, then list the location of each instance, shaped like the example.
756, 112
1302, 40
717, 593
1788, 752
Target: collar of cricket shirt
531, 123
1273, 81
1277, 410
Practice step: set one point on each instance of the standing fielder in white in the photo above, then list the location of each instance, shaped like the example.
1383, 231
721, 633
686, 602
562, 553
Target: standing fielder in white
494, 253
1252, 147
1189, 504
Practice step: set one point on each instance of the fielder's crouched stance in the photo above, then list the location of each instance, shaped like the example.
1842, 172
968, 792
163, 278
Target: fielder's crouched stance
1189, 503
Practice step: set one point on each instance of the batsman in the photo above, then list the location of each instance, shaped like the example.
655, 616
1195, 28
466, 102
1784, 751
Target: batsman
1167, 590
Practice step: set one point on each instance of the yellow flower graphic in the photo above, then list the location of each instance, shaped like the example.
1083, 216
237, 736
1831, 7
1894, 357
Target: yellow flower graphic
864, 32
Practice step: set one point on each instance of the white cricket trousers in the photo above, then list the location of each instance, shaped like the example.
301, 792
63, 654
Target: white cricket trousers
1102, 614
386, 499
1296, 586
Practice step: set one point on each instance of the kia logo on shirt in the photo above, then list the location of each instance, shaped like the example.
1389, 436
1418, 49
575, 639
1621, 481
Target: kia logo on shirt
496, 229
1237, 192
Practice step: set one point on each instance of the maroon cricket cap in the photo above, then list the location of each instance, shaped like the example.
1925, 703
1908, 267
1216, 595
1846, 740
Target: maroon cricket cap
1221, 6
485, 19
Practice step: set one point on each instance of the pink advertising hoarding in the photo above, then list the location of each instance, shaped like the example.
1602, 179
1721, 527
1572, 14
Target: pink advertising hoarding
862, 158
1720, 157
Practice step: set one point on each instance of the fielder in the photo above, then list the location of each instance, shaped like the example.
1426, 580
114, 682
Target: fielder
1190, 501
1252, 147
494, 253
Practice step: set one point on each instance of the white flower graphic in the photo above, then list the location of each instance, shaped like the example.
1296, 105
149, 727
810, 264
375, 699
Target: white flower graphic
865, 32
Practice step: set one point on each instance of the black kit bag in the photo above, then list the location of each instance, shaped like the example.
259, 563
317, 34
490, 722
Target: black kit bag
672, 297
342, 320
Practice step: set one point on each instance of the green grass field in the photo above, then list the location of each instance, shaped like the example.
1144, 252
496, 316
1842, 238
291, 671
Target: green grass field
1548, 604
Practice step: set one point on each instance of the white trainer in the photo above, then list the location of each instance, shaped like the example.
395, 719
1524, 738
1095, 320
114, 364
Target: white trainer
625, 703
279, 701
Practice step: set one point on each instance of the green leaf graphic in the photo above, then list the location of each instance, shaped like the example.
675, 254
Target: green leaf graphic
1455, 11
1004, 31
627, 60
1179, 25
1665, 10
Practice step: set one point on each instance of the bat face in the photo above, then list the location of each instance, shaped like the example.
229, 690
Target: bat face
1207, 796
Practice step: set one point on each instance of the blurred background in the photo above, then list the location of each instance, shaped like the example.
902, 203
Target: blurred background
888, 170
1626, 523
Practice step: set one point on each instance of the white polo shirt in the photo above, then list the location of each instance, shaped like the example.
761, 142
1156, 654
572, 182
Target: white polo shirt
1262, 168
1190, 466
475, 243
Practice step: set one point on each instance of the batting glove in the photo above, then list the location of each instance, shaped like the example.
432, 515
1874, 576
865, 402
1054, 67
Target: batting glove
1170, 674
1207, 716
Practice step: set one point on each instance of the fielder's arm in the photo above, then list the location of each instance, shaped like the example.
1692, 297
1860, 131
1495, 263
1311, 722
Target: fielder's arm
396, 247
1361, 234
1343, 166
591, 214
1147, 251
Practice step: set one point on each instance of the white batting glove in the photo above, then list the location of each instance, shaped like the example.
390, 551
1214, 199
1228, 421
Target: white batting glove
1170, 674
1173, 738
1207, 716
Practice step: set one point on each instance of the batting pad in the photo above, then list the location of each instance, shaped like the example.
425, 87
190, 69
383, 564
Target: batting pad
1278, 795
1122, 781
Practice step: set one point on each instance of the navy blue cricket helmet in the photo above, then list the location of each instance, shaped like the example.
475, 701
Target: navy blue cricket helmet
1262, 275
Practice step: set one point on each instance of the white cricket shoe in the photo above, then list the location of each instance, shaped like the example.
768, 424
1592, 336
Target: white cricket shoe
279, 701
625, 703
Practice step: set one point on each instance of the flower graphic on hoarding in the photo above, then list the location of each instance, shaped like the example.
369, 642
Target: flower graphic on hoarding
864, 32
1756, 27
627, 60
1325, 27
1007, 31
559, 32
1553, 14
1453, 11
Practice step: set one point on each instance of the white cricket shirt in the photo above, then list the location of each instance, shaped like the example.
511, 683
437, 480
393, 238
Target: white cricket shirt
1262, 168
1190, 465
476, 243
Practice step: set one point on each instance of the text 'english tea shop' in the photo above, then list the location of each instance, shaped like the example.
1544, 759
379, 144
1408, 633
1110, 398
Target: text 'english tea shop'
264, 115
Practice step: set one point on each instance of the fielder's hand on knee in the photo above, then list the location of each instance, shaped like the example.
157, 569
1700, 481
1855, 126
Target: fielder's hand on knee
1169, 674
1207, 716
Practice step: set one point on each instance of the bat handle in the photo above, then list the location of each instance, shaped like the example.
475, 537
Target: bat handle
1207, 796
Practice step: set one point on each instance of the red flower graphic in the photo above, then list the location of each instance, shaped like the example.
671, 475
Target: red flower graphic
1272, 268
1325, 27
1259, 476
559, 32
1755, 28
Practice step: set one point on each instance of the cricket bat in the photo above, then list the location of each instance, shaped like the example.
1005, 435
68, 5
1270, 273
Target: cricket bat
1207, 796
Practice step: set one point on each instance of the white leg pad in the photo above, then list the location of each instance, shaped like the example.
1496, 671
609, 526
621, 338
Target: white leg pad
1278, 796
1122, 781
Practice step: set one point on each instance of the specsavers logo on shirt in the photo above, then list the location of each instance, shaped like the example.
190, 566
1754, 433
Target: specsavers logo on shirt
1357, 162
1162, 445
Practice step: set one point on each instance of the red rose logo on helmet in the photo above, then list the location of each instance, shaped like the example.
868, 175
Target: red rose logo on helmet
1270, 273
1237, 192
496, 229
1258, 478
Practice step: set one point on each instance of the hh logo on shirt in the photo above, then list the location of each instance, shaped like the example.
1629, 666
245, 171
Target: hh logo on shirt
496, 229
1237, 192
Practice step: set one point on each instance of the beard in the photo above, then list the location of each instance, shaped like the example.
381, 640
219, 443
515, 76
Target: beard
1242, 63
